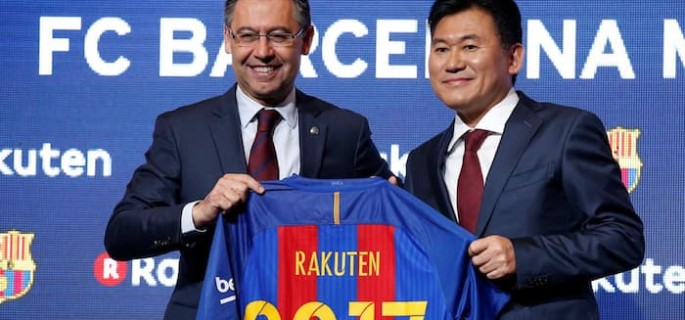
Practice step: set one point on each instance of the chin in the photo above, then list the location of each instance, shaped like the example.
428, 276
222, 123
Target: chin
269, 95
452, 102
453, 107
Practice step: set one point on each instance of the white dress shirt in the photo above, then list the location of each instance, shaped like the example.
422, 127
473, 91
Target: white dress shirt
286, 135
494, 121
286, 141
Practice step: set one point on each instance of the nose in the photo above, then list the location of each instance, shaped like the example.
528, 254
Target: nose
455, 61
263, 49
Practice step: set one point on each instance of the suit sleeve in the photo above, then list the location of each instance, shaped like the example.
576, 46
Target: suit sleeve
610, 241
146, 222
368, 160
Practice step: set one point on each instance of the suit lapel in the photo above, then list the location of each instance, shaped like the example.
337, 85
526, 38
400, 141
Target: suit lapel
312, 136
437, 177
227, 134
518, 132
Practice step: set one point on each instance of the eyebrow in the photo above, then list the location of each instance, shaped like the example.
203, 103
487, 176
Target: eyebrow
251, 29
459, 40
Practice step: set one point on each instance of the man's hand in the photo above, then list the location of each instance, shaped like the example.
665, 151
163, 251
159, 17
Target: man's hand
493, 256
230, 191
394, 180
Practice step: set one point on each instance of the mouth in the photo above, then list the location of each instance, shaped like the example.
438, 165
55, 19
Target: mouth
456, 81
264, 69
265, 73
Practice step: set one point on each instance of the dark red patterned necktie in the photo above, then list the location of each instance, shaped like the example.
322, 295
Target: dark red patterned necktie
470, 183
262, 164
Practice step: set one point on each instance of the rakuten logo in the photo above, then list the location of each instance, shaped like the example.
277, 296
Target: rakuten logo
650, 277
149, 272
396, 160
53, 162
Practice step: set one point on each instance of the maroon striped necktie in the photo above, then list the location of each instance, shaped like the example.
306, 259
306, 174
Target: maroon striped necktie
263, 164
470, 183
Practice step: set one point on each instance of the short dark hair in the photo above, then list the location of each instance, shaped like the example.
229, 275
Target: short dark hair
505, 13
303, 14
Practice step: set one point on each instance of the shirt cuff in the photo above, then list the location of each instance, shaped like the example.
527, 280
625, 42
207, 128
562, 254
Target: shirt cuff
187, 224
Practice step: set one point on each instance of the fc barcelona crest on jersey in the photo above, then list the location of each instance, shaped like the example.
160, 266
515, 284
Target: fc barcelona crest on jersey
16, 265
624, 148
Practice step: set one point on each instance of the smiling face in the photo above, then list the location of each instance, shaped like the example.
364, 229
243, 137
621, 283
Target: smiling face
469, 69
265, 72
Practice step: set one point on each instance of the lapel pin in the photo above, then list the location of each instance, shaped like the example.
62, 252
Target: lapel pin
314, 131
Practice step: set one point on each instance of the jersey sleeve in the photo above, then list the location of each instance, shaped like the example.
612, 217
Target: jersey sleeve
483, 298
218, 296
468, 293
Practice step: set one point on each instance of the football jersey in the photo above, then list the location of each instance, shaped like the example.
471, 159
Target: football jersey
342, 249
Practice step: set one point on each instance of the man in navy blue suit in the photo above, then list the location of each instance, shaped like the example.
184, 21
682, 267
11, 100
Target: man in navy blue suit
550, 210
196, 167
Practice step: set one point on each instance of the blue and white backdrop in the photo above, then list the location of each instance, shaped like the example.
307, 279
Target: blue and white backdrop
82, 81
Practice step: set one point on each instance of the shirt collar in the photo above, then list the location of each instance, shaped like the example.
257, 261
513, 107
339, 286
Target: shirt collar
494, 120
248, 108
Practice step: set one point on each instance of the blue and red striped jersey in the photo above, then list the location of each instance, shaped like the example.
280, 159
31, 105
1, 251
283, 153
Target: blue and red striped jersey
342, 249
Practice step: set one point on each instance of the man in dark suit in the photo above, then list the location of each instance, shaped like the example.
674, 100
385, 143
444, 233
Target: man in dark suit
197, 165
546, 199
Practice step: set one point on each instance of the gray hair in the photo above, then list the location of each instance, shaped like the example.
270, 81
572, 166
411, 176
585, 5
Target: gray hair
302, 9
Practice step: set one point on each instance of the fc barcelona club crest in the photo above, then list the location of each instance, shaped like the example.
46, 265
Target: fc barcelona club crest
624, 148
16, 265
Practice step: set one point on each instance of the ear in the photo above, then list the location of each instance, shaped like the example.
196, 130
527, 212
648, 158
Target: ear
307, 40
515, 53
227, 39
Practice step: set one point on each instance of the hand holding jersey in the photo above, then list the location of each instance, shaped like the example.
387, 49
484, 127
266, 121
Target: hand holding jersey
229, 192
493, 256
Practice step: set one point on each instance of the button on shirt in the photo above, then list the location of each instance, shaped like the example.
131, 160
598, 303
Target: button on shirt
286, 141
494, 121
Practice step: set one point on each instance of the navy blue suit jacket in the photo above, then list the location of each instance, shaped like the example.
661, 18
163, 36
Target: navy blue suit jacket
192, 148
555, 190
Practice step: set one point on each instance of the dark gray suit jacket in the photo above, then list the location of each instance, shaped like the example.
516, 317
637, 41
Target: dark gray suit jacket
192, 148
555, 190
